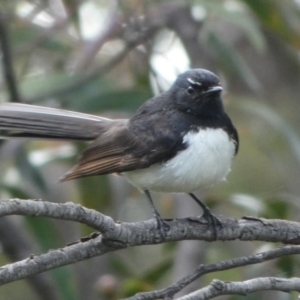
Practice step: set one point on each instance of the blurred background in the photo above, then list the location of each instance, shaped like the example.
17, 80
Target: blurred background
107, 57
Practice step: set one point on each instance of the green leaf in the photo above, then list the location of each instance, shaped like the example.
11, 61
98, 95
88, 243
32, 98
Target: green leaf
157, 272
95, 192
120, 266
45, 232
288, 265
14, 191
135, 285
276, 209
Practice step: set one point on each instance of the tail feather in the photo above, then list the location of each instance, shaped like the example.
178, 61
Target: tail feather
24, 120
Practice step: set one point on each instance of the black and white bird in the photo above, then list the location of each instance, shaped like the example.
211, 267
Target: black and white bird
181, 141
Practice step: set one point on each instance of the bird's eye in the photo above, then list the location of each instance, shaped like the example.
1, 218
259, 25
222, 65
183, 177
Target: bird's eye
190, 90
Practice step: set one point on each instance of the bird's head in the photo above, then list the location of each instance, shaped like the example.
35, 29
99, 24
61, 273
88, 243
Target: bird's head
198, 92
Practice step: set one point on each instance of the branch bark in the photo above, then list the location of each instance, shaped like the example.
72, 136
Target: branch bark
146, 232
218, 287
117, 235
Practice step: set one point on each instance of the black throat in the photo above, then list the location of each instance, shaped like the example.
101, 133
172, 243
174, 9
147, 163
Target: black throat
209, 114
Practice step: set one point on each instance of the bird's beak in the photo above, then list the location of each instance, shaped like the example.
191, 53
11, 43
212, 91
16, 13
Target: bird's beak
214, 90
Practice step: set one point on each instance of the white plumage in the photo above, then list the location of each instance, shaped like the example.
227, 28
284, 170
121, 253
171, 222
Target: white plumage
206, 161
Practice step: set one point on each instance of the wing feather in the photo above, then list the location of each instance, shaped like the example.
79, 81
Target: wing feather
112, 152
129, 145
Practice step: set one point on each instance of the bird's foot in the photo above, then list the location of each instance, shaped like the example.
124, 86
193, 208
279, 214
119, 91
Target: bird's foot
210, 218
212, 221
162, 226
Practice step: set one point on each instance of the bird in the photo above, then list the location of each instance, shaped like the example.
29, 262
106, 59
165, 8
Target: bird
180, 141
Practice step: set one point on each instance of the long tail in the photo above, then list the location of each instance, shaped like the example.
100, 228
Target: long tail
24, 120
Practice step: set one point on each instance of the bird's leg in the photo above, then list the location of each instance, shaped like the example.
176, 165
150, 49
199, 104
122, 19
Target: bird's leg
208, 215
161, 224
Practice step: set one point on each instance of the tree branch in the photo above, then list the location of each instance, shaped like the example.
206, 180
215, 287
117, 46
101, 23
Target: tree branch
218, 287
66, 211
54, 259
147, 233
117, 235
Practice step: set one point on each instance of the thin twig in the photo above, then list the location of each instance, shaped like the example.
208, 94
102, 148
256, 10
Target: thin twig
218, 287
201, 270
54, 259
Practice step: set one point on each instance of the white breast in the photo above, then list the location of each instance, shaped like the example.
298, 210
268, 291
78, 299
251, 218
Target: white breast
205, 161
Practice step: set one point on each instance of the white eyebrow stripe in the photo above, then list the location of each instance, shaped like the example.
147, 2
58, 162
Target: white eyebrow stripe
191, 81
